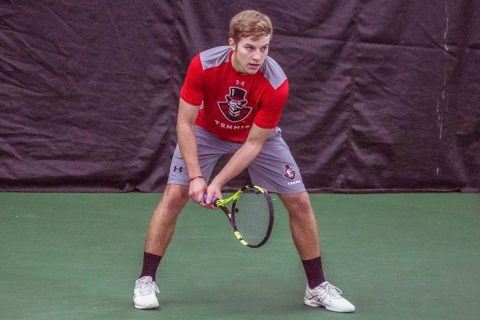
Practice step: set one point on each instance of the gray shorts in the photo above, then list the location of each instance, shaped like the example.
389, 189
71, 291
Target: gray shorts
274, 168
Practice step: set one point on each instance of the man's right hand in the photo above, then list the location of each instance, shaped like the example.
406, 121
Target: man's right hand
196, 190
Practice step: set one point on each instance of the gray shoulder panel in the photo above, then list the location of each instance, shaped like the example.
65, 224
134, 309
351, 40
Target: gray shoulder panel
214, 57
273, 72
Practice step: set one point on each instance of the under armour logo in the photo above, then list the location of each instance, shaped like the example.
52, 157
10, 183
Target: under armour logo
179, 169
240, 83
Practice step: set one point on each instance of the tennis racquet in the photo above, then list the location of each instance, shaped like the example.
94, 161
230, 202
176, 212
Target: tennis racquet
251, 214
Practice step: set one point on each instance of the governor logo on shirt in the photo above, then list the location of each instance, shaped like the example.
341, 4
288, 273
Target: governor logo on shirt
235, 108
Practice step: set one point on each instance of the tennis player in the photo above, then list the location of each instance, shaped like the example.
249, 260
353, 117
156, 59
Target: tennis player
230, 103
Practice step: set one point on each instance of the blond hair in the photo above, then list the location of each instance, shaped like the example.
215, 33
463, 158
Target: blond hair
250, 23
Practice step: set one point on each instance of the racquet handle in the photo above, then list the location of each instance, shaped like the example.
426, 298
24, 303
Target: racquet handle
213, 201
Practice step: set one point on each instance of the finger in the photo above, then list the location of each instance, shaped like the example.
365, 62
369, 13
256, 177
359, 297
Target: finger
197, 201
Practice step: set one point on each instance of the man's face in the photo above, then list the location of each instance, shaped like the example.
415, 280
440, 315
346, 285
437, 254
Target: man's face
249, 55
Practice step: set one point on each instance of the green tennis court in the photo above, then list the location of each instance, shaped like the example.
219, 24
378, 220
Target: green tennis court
396, 256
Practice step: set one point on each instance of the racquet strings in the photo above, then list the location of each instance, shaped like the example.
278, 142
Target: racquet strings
252, 216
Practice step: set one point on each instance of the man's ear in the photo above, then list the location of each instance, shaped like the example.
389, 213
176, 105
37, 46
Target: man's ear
232, 44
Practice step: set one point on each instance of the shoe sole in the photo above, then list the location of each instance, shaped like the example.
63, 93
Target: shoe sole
145, 307
319, 305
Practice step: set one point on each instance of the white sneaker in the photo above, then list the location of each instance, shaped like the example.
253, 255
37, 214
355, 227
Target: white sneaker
144, 294
328, 296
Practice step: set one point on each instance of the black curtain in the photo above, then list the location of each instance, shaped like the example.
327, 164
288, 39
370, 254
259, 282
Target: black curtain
383, 94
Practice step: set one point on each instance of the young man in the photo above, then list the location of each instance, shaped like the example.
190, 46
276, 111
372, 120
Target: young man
230, 103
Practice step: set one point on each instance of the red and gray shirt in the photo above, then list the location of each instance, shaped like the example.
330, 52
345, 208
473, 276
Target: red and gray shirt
230, 102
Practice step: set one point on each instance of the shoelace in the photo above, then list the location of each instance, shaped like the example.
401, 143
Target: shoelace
146, 287
333, 291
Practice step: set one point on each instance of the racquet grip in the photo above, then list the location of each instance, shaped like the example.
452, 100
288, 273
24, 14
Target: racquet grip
213, 200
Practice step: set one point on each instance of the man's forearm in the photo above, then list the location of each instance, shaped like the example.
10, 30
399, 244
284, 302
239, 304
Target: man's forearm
244, 156
188, 148
238, 162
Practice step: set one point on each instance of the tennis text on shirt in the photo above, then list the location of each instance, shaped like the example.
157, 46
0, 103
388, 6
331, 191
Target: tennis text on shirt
230, 102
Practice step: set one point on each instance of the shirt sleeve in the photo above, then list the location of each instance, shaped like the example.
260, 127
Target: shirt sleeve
271, 107
192, 89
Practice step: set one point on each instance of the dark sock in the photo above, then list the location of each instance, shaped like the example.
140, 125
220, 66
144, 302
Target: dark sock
314, 271
150, 265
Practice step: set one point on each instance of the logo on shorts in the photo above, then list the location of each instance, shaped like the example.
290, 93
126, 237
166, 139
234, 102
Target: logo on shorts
288, 172
234, 107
